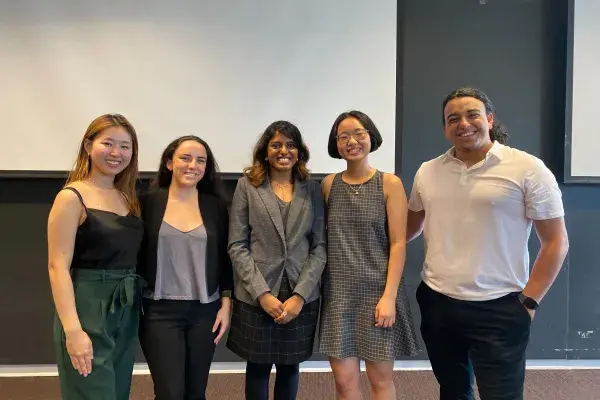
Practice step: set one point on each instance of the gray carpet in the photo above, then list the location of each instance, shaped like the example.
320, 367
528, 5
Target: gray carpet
540, 385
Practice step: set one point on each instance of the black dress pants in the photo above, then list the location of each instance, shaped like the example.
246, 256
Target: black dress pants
485, 340
178, 343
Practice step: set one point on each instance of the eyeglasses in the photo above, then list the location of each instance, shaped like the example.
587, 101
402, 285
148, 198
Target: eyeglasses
357, 134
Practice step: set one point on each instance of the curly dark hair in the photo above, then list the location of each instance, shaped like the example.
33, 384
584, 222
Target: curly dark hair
498, 131
211, 181
257, 172
369, 125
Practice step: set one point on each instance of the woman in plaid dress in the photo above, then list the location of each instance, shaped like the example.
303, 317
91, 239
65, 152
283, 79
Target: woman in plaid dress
366, 313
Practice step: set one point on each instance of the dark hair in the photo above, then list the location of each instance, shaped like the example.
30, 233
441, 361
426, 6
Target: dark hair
257, 172
210, 182
498, 131
369, 125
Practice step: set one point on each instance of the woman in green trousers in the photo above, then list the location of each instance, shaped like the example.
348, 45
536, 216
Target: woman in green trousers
94, 234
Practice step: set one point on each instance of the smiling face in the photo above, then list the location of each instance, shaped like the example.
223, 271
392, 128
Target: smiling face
353, 140
467, 125
188, 163
282, 152
110, 151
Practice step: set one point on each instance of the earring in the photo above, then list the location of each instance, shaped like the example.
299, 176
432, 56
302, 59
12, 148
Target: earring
266, 158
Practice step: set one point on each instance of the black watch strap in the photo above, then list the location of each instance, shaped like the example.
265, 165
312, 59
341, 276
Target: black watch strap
528, 302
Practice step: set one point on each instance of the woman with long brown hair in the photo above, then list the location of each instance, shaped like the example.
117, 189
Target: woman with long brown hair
94, 235
277, 247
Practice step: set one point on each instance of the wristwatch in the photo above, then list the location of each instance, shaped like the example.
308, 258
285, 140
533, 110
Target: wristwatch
528, 302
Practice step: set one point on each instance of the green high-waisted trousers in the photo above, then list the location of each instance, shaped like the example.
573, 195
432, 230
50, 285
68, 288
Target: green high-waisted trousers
108, 304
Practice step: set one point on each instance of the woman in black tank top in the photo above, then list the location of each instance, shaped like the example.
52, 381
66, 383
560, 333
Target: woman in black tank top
94, 235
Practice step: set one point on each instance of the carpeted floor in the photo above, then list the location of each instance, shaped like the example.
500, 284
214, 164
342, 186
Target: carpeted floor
421, 385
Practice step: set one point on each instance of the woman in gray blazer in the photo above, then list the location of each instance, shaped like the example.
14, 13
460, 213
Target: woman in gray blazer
277, 247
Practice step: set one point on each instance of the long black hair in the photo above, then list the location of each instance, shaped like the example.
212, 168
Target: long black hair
211, 181
498, 131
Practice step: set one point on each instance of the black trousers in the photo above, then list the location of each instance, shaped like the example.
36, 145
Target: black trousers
485, 339
178, 343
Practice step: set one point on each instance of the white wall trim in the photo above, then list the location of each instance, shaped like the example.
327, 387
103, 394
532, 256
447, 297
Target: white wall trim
11, 371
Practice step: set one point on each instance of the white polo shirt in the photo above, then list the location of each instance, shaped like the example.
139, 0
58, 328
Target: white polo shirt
478, 220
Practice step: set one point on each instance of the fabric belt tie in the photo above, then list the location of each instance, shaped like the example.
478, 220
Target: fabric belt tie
128, 290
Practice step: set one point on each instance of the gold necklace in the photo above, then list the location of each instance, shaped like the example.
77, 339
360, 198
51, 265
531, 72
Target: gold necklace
355, 190
97, 185
282, 188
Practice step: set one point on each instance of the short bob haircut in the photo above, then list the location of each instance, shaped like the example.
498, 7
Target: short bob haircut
258, 171
365, 121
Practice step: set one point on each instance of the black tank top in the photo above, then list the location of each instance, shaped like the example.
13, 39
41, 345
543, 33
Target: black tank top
106, 240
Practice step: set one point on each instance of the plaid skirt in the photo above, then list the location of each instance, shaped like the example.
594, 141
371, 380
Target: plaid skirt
255, 337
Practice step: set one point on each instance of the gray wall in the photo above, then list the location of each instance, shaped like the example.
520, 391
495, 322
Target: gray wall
512, 49
515, 50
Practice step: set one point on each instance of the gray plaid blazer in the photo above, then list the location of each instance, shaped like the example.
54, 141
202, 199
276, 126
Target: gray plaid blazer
260, 249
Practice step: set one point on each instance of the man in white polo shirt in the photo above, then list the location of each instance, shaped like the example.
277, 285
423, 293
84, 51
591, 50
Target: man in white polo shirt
476, 205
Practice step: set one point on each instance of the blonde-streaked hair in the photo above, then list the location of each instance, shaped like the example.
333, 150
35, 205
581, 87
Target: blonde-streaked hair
257, 172
125, 180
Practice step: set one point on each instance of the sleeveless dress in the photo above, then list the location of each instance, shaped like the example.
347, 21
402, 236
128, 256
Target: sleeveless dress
108, 300
355, 277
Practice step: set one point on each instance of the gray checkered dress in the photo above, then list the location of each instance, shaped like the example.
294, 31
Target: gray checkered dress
355, 276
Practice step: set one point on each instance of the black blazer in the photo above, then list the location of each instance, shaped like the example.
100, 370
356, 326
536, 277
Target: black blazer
213, 210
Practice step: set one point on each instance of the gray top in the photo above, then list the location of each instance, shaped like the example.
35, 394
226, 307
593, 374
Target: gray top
284, 208
181, 267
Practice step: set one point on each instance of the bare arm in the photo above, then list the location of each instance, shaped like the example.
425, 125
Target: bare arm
396, 207
63, 222
62, 227
543, 205
414, 225
554, 247
326, 186
416, 211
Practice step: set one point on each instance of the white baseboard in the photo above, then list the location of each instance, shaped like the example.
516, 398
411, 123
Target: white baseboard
11, 371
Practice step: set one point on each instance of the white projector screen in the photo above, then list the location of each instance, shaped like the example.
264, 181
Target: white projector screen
220, 69
583, 145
